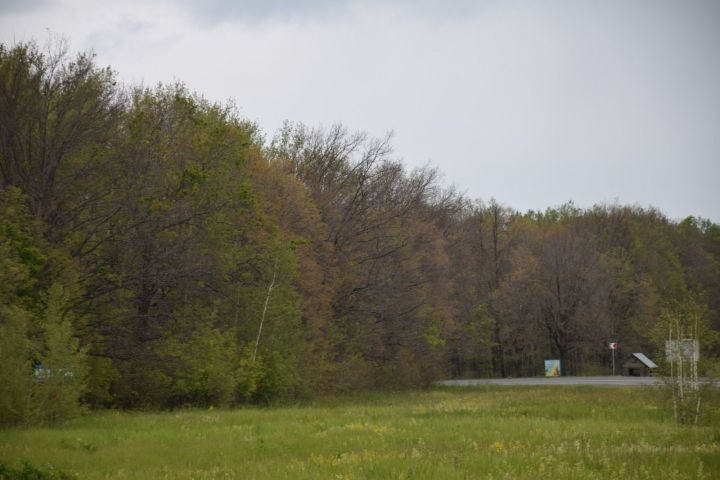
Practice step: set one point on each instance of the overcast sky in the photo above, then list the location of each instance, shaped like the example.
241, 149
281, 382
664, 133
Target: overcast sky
532, 102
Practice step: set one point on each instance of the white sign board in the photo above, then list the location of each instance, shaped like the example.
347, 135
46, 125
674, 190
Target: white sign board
688, 350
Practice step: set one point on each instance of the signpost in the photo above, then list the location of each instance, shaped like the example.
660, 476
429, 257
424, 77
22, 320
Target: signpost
613, 347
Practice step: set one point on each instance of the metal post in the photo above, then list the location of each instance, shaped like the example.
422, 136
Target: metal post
613, 351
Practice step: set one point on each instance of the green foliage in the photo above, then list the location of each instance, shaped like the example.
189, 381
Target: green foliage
685, 318
60, 382
22, 247
249, 373
685, 397
18, 291
100, 378
279, 376
36, 325
473, 355
15, 366
29, 472
203, 368
511, 432
155, 252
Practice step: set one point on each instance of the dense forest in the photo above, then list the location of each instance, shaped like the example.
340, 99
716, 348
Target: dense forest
157, 251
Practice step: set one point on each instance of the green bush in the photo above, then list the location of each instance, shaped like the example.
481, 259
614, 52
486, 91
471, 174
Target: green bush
15, 366
61, 380
202, 369
28, 472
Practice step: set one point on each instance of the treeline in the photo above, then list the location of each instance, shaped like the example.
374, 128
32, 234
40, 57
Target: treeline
157, 251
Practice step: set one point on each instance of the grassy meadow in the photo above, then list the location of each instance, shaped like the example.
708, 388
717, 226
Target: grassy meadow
489, 432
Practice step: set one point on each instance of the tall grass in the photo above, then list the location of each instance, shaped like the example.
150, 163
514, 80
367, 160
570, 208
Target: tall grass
491, 432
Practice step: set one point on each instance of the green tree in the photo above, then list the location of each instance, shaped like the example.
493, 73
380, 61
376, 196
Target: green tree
60, 377
15, 366
22, 259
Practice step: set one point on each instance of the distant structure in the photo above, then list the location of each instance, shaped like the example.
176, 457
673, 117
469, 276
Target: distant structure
638, 365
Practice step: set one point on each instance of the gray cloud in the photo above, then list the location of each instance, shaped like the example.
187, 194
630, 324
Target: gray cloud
259, 10
533, 103
221, 10
14, 6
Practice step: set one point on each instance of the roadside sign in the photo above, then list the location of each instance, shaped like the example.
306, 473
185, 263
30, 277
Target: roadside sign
552, 368
687, 349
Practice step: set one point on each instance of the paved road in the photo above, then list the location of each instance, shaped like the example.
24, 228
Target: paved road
616, 381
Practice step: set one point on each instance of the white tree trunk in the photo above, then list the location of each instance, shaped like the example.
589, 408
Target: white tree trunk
271, 286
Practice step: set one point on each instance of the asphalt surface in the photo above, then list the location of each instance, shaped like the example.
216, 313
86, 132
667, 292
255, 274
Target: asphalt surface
616, 381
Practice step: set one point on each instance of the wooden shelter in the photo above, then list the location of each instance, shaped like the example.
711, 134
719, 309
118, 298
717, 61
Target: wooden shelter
638, 365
